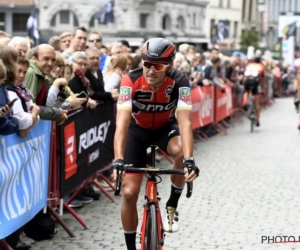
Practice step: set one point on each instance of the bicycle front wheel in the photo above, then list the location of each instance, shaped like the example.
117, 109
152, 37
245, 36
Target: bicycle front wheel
151, 241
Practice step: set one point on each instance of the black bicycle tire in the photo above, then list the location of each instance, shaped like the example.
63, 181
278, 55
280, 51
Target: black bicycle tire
151, 229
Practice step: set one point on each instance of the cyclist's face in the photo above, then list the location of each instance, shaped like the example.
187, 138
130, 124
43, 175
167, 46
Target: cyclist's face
152, 76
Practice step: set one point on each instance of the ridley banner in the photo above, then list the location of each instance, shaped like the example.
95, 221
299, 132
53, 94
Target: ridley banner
86, 142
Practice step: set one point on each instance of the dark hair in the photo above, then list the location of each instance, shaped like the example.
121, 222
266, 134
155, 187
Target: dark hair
124, 43
136, 60
80, 28
103, 47
23, 60
9, 57
215, 60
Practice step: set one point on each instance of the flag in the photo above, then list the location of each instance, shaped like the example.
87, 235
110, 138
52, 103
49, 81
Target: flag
219, 32
32, 27
289, 30
106, 14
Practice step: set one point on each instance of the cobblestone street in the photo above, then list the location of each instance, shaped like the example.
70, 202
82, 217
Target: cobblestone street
248, 188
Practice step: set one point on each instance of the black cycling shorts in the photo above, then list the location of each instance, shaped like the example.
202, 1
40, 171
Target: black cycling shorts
139, 139
253, 85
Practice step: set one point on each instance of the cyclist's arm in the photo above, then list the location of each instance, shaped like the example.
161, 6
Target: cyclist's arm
124, 107
184, 117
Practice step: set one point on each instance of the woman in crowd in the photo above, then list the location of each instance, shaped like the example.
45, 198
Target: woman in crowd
60, 95
113, 76
8, 123
129, 63
79, 83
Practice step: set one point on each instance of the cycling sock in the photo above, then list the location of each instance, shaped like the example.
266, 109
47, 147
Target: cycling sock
130, 238
174, 197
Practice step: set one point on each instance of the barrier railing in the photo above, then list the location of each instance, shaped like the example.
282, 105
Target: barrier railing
78, 152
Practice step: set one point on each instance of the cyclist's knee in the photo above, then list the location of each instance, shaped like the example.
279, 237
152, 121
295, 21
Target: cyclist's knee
176, 152
131, 193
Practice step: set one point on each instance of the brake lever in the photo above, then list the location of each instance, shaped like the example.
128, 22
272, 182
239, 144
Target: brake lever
189, 185
118, 182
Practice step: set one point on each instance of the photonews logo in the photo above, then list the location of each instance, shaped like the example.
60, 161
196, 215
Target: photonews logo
280, 239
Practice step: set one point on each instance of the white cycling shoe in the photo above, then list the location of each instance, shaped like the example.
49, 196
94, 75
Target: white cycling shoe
171, 220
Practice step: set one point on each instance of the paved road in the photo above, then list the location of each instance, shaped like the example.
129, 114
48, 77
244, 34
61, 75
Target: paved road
248, 188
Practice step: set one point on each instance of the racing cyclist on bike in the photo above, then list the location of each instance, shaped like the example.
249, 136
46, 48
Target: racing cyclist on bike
149, 97
255, 80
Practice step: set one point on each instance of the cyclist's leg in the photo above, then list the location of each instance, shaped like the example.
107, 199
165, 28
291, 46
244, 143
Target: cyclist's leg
135, 156
256, 93
168, 139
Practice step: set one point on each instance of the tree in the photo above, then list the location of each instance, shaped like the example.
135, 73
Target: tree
249, 37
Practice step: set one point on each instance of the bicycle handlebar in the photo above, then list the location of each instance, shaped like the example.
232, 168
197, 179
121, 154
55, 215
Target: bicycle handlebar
157, 171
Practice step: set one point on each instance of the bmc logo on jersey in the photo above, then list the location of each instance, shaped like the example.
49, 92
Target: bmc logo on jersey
70, 150
154, 108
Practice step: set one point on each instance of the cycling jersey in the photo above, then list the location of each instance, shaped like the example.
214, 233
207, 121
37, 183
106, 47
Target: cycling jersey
152, 109
255, 70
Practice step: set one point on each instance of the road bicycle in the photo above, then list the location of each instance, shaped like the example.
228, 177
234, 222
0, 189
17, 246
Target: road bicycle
152, 234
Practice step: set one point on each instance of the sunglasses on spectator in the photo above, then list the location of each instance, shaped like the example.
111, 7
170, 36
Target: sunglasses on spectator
95, 40
158, 67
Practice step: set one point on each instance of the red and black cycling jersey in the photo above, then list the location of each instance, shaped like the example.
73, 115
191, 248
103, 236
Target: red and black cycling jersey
152, 109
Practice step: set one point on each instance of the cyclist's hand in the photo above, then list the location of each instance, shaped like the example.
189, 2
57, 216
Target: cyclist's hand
189, 164
116, 166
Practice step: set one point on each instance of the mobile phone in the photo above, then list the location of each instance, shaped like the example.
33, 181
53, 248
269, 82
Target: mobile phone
82, 95
12, 102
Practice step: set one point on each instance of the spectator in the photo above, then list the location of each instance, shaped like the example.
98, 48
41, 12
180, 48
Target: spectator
179, 58
129, 63
60, 95
16, 90
79, 82
95, 77
54, 41
4, 38
112, 78
68, 71
37, 81
20, 44
78, 42
65, 39
8, 123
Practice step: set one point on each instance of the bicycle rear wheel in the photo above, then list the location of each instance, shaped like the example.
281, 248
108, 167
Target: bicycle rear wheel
151, 239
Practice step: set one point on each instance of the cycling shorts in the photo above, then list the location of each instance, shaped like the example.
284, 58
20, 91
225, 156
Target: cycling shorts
253, 85
139, 139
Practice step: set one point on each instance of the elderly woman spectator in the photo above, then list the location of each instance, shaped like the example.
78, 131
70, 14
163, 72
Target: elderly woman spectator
16, 90
179, 58
21, 44
60, 95
79, 83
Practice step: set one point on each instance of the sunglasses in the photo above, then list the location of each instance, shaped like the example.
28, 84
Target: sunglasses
157, 66
95, 40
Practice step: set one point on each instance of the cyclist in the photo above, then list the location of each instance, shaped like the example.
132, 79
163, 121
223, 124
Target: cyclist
149, 97
255, 79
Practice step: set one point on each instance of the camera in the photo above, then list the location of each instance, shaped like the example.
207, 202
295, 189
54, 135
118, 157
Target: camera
63, 94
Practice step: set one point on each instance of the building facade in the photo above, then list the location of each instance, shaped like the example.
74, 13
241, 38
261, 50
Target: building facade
274, 9
137, 20
230, 11
14, 15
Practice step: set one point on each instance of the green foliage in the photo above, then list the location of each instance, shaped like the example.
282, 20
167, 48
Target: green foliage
249, 37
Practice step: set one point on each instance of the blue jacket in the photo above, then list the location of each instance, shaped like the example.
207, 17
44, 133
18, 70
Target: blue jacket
8, 124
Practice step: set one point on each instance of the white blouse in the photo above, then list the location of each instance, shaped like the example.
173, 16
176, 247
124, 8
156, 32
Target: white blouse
25, 119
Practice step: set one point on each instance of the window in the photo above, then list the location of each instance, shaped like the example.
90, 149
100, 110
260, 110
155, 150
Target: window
244, 10
2, 21
250, 12
228, 4
181, 23
194, 19
53, 21
92, 22
64, 16
220, 3
235, 31
75, 21
166, 25
20, 22
143, 20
